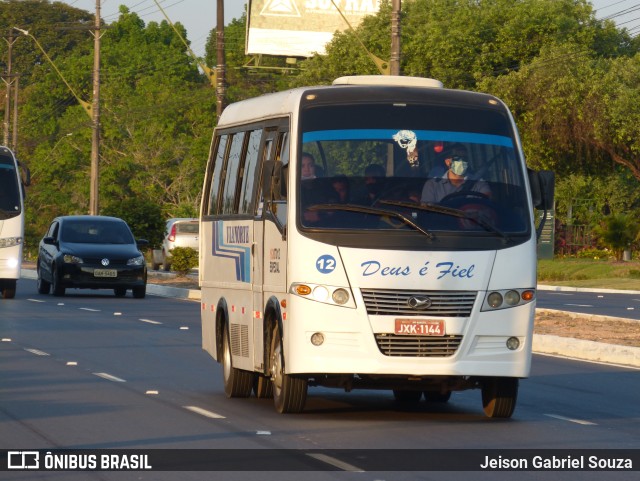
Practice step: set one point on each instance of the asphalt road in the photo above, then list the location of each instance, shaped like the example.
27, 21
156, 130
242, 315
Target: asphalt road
603, 303
91, 371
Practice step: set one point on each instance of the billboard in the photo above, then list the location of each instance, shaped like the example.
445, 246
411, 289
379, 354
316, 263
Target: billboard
300, 28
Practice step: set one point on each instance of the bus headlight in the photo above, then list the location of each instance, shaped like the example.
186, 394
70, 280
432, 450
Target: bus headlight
338, 296
10, 241
506, 298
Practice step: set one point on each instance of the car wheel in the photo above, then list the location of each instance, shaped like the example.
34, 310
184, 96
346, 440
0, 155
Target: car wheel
499, 395
139, 292
120, 291
43, 286
58, 288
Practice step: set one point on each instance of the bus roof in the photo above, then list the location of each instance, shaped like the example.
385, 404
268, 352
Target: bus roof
282, 104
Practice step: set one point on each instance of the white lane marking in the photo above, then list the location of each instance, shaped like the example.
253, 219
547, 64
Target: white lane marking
36, 300
72, 363
572, 420
184, 328
88, 309
108, 377
6, 339
149, 321
580, 305
600, 297
117, 313
336, 462
37, 352
151, 391
61, 303
630, 308
560, 294
590, 361
204, 412
263, 433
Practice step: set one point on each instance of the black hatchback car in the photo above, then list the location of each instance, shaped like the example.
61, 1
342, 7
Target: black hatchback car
94, 252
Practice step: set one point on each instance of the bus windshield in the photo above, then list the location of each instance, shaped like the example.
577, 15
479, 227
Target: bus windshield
10, 202
427, 169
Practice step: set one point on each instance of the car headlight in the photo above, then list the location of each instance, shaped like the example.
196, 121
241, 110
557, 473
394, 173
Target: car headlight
338, 296
69, 259
136, 261
10, 241
506, 298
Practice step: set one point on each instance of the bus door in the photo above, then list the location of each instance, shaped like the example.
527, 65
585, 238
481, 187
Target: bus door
269, 247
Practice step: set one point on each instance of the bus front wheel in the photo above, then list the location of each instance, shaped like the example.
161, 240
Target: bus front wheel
289, 392
499, 395
8, 289
237, 382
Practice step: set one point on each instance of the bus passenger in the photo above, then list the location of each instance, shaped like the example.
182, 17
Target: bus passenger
455, 179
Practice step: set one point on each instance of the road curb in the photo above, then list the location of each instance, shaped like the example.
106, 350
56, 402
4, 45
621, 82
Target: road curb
542, 343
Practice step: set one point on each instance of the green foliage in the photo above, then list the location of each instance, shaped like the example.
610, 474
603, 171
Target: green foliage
618, 232
183, 259
143, 216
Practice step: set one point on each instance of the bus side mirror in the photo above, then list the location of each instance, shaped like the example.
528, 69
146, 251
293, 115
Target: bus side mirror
279, 181
542, 188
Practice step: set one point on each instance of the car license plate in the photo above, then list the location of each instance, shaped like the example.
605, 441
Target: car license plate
419, 327
105, 273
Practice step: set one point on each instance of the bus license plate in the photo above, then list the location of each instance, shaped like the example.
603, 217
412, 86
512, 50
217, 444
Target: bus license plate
105, 273
419, 327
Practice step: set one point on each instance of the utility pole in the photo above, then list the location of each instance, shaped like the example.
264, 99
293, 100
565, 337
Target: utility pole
14, 143
8, 80
221, 64
396, 6
95, 110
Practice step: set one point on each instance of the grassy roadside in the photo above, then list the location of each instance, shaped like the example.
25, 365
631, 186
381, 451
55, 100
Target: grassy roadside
590, 273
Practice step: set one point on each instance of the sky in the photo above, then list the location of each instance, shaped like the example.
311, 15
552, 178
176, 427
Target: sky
199, 16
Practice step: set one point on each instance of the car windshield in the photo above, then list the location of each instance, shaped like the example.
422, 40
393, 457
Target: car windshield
187, 227
389, 168
96, 232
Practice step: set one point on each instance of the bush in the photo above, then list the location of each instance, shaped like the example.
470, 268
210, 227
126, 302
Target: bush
183, 259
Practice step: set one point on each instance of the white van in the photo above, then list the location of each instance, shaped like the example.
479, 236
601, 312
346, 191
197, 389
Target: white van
335, 249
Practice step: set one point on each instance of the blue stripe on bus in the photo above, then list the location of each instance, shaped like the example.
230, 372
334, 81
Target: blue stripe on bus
381, 134
240, 255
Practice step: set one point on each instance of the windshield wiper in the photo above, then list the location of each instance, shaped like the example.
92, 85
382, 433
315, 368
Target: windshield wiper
439, 209
375, 211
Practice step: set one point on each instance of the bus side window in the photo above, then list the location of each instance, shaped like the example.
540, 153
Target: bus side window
279, 206
249, 180
231, 174
219, 157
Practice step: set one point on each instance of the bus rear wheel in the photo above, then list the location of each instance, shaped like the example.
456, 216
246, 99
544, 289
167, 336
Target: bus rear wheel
499, 395
237, 382
289, 392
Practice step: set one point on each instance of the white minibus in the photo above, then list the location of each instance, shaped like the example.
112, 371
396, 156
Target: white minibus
377, 233
11, 221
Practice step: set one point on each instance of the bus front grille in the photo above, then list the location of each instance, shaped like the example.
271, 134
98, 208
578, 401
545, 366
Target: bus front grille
392, 302
417, 346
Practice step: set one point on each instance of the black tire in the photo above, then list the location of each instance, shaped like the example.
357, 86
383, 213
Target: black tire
499, 396
58, 288
9, 290
237, 382
262, 387
139, 292
437, 397
44, 287
120, 292
406, 396
289, 392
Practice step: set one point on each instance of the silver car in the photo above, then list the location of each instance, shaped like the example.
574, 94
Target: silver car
180, 232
